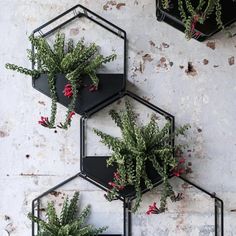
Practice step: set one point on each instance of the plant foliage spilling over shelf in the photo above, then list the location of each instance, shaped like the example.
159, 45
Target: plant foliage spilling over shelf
68, 223
193, 12
73, 60
139, 145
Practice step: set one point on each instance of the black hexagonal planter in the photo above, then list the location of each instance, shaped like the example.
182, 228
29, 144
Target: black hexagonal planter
36, 206
109, 84
95, 167
206, 30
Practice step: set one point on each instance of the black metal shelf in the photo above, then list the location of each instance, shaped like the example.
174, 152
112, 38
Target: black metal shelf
109, 85
204, 31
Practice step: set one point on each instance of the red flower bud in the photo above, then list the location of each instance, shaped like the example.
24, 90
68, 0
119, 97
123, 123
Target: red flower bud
68, 91
93, 88
153, 209
71, 115
182, 160
44, 121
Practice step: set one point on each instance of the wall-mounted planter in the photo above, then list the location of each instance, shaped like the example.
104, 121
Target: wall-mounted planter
95, 167
37, 205
202, 31
110, 84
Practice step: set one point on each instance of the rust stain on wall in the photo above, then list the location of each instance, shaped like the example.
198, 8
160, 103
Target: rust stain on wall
108, 5
231, 61
205, 61
119, 5
55, 193
191, 70
211, 44
74, 31
147, 57
3, 134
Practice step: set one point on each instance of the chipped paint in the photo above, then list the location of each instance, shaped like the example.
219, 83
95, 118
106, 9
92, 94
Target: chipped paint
211, 44
33, 159
191, 70
231, 61
205, 61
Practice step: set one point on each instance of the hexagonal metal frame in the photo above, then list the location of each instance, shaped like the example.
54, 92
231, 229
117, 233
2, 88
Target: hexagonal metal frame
118, 94
94, 167
37, 202
218, 209
201, 34
86, 100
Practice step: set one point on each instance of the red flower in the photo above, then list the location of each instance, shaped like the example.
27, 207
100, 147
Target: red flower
116, 175
178, 172
194, 22
153, 209
120, 187
93, 88
112, 184
71, 115
115, 185
182, 160
197, 34
68, 91
44, 121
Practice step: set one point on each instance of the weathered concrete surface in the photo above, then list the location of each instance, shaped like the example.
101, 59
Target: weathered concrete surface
33, 159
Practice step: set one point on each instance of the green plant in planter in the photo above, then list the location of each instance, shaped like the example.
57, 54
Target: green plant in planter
68, 223
64, 58
139, 145
192, 14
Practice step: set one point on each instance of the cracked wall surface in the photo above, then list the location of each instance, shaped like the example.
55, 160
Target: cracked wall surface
193, 81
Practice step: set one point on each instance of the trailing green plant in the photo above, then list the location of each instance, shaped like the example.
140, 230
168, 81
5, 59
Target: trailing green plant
138, 146
64, 58
68, 223
193, 13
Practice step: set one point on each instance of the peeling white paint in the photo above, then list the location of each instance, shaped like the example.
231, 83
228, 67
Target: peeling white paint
206, 101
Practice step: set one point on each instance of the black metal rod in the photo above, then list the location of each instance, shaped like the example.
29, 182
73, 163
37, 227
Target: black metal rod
129, 219
102, 104
222, 217
105, 27
94, 182
148, 104
106, 103
119, 32
71, 10
198, 187
38, 212
56, 187
103, 19
124, 217
221, 203
216, 218
54, 19
216, 200
59, 26
82, 146
33, 213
